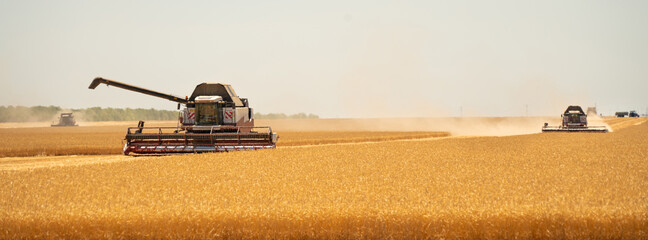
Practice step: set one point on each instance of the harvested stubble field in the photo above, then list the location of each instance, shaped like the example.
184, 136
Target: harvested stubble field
556, 185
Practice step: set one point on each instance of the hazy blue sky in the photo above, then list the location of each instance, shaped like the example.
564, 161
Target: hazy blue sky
332, 58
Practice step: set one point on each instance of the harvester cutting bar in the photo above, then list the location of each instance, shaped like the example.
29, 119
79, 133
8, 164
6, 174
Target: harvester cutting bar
197, 136
179, 149
600, 129
158, 142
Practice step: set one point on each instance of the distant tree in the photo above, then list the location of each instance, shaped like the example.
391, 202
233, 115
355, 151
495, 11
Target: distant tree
48, 113
283, 116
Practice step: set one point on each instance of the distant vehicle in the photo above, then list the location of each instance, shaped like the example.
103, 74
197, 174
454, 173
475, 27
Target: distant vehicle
65, 120
574, 120
632, 113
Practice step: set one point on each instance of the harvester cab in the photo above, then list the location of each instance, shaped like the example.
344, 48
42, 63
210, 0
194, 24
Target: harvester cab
215, 106
214, 119
573, 120
574, 117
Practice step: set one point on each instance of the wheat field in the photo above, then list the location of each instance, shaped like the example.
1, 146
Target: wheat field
537, 186
97, 140
50, 141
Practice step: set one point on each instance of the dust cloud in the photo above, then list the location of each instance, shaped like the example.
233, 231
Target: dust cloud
594, 120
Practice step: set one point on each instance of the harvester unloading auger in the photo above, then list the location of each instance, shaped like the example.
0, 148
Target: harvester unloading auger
214, 119
574, 120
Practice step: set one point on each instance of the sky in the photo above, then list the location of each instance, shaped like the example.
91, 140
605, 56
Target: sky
336, 59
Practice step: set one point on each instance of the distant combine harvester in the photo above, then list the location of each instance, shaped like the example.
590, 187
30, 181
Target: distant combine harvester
574, 120
65, 120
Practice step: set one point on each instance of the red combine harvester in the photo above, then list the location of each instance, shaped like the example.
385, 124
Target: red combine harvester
214, 119
574, 120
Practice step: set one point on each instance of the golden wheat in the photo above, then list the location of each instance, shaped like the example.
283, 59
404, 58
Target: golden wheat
19, 142
620, 123
322, 137
562, 185
48, 141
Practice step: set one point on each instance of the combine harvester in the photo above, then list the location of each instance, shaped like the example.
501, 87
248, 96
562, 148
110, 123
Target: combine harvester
214, 119
65, 120
574, 120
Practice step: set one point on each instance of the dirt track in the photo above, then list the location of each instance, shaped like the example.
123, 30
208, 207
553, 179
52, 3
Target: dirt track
26, 163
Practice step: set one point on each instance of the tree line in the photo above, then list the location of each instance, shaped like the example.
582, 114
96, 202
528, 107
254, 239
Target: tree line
50, 113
